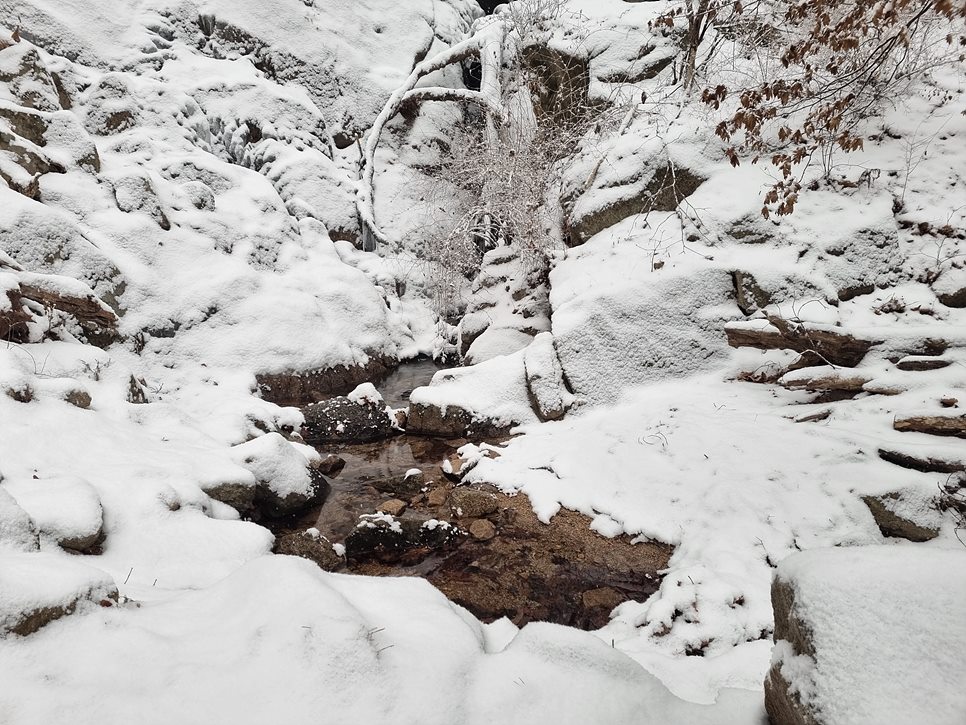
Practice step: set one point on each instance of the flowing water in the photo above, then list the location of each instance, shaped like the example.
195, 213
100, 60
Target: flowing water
521, 568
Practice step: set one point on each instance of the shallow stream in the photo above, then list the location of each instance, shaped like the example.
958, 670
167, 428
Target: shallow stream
506, 562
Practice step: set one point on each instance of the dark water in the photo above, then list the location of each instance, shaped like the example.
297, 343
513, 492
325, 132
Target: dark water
351, 493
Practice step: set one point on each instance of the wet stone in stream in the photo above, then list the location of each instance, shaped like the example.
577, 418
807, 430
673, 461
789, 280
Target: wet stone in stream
485, 550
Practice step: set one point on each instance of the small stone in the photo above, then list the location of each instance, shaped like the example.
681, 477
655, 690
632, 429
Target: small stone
331, 465
393, 507
472, 503
482, 530
407, 485
437, 497
948, 402
602, 597
78, 398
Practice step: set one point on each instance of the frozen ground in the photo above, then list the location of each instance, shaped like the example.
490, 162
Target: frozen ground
208, 200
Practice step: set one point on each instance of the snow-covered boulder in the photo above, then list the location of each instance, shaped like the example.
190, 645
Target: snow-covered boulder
611, 331
869, 635
65, 510
485, 399
37, 588
286, 482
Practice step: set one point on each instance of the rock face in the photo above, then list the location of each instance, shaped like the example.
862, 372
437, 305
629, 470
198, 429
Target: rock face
665, 189
939, 425
300, 388
547, 389
343, 420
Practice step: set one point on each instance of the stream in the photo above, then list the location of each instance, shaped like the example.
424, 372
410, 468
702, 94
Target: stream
498, 560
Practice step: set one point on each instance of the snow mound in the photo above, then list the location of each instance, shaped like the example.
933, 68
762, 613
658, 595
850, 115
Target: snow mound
17, 531
276, 463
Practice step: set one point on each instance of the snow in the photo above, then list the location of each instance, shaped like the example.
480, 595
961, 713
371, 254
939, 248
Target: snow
218, 219
869, 612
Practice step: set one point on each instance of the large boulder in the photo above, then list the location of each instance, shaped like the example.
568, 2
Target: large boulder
359, 417
868, 635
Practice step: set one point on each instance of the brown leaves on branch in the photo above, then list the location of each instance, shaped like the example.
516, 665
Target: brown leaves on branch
842, 58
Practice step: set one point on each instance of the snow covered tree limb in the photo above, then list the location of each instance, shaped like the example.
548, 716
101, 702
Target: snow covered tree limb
486, 43
454, 94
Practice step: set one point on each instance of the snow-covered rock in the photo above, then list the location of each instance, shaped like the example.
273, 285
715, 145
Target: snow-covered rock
66, 510
869, 635
37, 588
284, 478
484, 399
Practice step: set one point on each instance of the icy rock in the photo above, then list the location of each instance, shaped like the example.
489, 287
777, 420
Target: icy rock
548, 392
37, 588
848, 624
17, 531
348, 420
612, 336
66, 510
286, 484
471, 503
29, 81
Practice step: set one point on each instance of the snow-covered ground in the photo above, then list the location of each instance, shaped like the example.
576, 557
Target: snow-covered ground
207, 199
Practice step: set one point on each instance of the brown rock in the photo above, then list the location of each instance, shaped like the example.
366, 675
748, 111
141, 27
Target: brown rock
939, 425
918, 462
471, 503
78, 398
437, 497
331, 465
892, 524
393, 507
456, 422
602, 598
482, 530
836, 348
